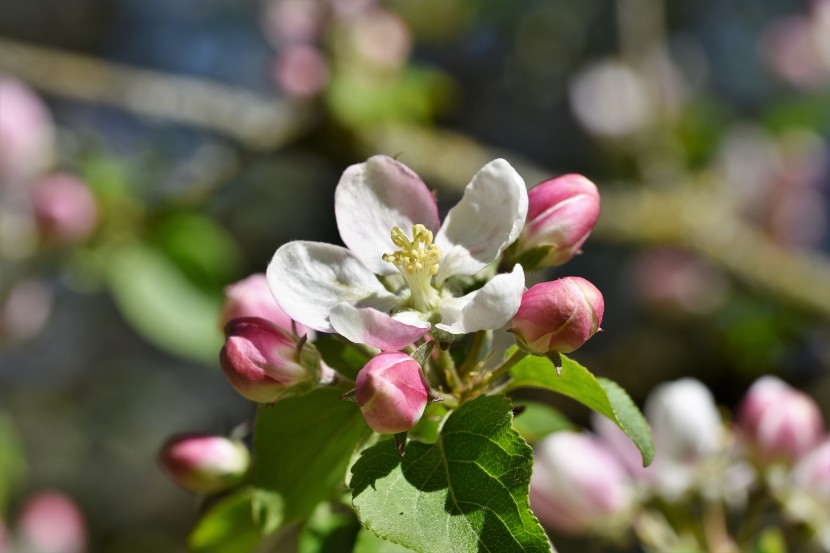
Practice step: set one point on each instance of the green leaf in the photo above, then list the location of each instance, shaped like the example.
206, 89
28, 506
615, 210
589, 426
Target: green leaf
228, 526
467, 492
344, 358
162, 305
332, 528
600, 394
302, 448
200, 248
367, 542
537, 420
267, 510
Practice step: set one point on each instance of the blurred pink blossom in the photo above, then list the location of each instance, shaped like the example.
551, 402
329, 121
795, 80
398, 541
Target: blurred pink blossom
49, 522
577, 484
65, 208
26, 132
301, 70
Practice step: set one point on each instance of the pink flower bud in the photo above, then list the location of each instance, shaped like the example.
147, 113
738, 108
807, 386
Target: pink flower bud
779, 423
811, 474
561, 214
251, 297
50, 522
260, 360
558, 316
577, 484
203, 463
301, 70
65, 208
24, 310
26, 132
391, 392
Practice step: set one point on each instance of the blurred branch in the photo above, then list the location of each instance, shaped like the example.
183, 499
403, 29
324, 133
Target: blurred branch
255, 120
685, 215
688, 215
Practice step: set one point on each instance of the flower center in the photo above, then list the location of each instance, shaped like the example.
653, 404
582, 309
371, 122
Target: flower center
417, 260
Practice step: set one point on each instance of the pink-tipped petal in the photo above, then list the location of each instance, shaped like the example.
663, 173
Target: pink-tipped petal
366, 325
309, 278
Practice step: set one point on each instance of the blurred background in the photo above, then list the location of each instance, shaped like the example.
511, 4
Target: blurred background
152, 152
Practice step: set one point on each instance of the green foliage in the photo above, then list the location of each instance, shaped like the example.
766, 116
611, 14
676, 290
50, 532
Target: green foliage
200, 248
415, 95
230, 526
537, 420
469, 489
771, 540
12, 462
367, 542
600, 394
303, 446
341, 356
332, 528
162, 304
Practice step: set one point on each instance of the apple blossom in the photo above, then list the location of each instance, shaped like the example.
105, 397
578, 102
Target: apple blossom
49, 522
251, 297
685, 421
780, 423
561, 214
26, 132
391, 392
204, 463
263, 362
577, 484
558, 316
388, 220
811, 473
65, 208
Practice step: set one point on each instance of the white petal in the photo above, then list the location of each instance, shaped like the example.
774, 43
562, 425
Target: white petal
488, 218
487, 308
367, 325
373, 197
309, 278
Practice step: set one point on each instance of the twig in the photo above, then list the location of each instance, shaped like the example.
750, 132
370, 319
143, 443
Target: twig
258, 121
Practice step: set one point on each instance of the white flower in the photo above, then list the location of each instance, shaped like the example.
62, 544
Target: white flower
391, 285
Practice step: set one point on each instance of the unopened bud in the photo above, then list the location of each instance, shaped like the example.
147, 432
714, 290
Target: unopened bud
65, 208
49, 522
561, 213
811, 474
203, 463
578, 485
779, 423
262, 361
558, 316
26, 133
251, 297
685, 421
391, 392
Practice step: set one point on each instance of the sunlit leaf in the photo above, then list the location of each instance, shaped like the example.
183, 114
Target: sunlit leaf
469, 489
600, 394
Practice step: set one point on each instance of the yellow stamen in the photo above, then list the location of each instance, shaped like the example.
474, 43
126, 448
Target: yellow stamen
417, 260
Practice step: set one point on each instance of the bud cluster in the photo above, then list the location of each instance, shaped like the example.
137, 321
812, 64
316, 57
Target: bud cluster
777, 452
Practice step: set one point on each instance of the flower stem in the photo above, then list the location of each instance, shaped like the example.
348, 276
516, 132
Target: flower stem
472, 355
503, 369
448, 364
